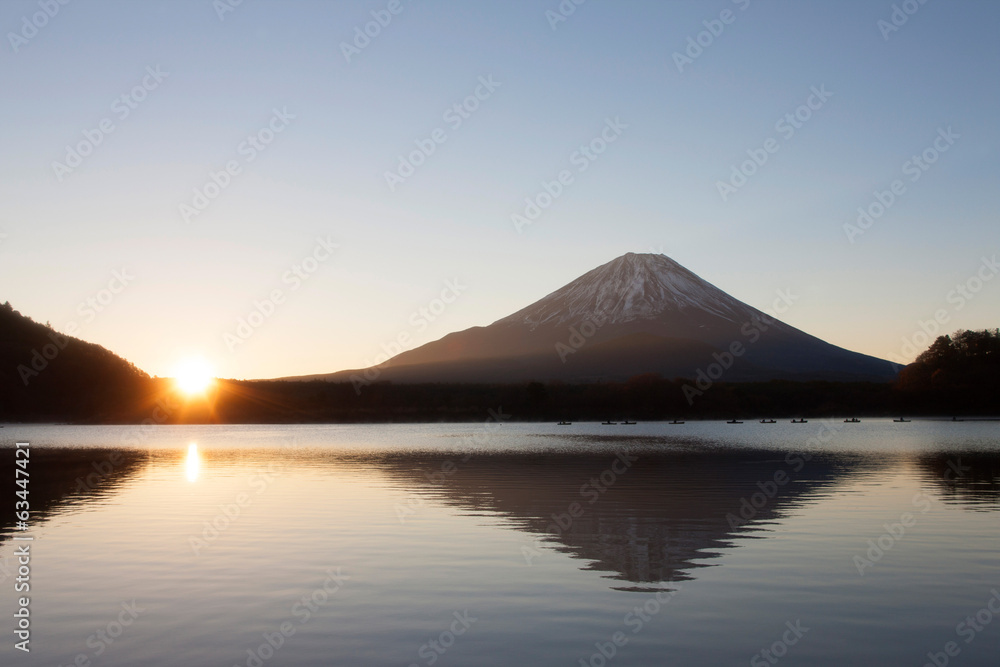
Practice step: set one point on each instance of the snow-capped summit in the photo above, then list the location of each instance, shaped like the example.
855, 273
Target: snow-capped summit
632, 287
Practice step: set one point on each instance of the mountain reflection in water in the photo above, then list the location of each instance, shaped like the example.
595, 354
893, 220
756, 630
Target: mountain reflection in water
656, 520
637, 513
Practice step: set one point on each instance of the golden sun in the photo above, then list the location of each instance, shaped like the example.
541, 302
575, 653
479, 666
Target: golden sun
193, 377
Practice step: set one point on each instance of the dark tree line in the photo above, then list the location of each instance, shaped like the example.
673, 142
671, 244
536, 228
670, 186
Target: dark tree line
957, 374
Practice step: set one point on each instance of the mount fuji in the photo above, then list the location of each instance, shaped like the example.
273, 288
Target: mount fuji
637, 314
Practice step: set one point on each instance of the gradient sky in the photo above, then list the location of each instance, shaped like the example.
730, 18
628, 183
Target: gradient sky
653, 190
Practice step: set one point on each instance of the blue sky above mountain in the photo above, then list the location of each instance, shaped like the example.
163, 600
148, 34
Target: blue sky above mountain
270, 80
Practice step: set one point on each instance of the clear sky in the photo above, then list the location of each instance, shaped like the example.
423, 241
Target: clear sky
310, 129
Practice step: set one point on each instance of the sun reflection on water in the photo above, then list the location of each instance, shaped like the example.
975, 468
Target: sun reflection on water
193, 463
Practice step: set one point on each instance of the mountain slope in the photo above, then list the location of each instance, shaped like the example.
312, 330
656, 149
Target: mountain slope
639, 313
45, 375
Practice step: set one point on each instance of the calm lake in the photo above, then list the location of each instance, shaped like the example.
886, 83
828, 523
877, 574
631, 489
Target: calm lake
703, 543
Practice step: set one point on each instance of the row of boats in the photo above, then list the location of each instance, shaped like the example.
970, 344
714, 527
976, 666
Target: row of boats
852, 420
610, 423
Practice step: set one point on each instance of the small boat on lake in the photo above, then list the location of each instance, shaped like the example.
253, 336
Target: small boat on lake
901, 420
852, 420
609, 423
800, 421
675, 422
768, 421
734, 421
564, 424
628, 422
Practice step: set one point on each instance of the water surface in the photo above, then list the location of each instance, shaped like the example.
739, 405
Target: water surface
526, 544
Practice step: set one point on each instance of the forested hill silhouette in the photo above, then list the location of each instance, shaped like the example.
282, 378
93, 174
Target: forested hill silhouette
45, 375
958, 373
